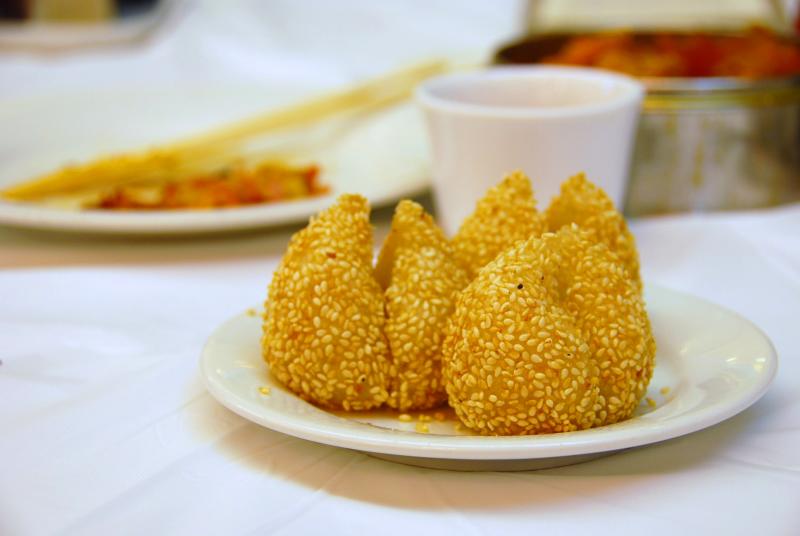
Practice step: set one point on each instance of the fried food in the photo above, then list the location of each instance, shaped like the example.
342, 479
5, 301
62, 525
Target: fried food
755, 53
233, 186
613, 321
551, 336
584, 203
324, 319
421, 277
505, 215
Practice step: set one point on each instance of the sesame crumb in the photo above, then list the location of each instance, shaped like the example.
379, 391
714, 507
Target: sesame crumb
651, 402
405, 417
264, 390
251, 312
422, 428
664, 391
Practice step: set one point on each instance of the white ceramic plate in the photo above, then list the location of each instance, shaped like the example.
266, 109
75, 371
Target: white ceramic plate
382, 156
714, 362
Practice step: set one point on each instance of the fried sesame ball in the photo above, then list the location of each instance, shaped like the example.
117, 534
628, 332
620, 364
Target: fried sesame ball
504, 216
551, 336
421, 277
589, 206
612, 319
323, 323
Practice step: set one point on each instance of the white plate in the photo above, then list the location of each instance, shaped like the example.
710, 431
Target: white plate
383, 156
714, 362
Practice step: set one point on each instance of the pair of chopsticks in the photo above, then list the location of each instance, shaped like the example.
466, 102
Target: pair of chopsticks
204, 151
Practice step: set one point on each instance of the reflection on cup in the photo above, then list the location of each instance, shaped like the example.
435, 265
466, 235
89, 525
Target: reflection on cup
550, 122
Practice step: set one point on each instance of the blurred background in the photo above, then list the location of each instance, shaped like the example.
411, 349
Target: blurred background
327, 43
708, 139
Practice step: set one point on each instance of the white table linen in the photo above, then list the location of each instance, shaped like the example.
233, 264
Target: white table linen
107, 428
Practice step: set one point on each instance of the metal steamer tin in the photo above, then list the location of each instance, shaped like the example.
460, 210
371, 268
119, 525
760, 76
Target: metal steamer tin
704, 143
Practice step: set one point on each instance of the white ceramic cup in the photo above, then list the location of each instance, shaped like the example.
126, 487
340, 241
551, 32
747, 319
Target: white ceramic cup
550, 122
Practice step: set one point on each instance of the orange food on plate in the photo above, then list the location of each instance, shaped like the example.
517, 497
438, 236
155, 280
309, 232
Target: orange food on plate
231, 187
759, 53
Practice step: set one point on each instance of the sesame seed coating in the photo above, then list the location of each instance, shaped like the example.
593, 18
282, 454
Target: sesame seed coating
613, 321
551, 336
504, 216
421, 277
589, 206
323, 321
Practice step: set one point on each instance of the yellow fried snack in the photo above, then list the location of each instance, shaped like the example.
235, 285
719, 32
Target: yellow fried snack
551, 336
584, 203
504, 216
612, 319
323, 323
421, 278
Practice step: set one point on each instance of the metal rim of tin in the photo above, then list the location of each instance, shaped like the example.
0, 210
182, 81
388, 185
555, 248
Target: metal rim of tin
703, 93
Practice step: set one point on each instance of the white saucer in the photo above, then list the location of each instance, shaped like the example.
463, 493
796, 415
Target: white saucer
714, 362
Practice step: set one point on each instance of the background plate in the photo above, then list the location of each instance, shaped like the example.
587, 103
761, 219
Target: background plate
714, 362
382, 155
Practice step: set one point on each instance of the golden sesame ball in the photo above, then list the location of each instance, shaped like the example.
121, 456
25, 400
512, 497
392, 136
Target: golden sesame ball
514, 359
504, 216
551, 336
611, 315
323, 324
584, 203
421, 278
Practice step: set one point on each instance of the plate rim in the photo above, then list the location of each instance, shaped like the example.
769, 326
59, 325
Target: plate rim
475, 447
184, 222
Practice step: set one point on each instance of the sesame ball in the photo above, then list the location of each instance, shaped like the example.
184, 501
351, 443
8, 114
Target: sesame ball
323, 323
610, 313
551, 336
504, 216
421, 277
589, 206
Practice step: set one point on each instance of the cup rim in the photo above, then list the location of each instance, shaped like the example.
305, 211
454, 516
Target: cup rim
633, 92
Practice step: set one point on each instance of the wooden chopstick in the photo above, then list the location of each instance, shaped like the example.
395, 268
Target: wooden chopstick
383, 90
193, 153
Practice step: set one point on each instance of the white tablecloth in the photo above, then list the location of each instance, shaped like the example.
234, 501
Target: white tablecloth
106, 428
